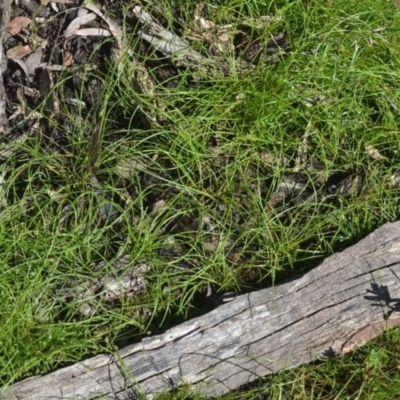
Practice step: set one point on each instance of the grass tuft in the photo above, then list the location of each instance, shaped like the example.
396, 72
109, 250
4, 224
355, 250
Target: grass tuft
197, 195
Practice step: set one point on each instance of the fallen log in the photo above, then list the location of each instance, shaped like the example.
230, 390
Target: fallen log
347, 300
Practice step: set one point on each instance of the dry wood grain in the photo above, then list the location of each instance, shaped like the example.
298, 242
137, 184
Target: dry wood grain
349, 298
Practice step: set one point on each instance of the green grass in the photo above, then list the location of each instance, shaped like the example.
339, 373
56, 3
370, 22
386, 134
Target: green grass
337, 90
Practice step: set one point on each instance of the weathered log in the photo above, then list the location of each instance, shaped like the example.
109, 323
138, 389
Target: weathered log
350, 298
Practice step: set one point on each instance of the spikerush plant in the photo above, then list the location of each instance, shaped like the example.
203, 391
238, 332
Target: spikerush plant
332, 96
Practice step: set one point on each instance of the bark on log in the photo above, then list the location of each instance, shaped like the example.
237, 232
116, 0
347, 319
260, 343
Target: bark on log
348, 299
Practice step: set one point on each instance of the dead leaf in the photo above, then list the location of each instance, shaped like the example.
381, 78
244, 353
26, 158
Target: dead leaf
35, 8
76, 102
78, 22
21, 64
68, 59
31, 92
18, 111
92, 32
16, 25
131, 167
18, 51
113, 27
395, 180
34, 59
373, 152
44, 3
159, 205
21, 98
279, 161
115, 30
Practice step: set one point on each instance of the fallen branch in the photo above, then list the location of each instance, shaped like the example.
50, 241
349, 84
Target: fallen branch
350, 298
